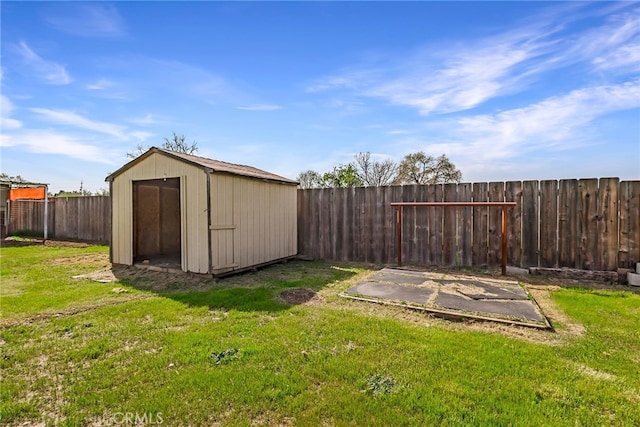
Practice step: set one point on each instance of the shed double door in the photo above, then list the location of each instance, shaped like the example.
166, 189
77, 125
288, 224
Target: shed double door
156, 217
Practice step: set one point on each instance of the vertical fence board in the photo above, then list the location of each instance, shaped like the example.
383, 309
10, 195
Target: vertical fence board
530, 210
548, 223
513, 193
84, 220
422, 226
434, 193
338, 207
496, 194
61, 217
350, 214
449, 230
369, 212
314, 222
410, 237
629, 239
587, 223
359, 231
606, 257
389, 228
465, 230
480, 224
301, 203
567, 223
396, 192
336, 222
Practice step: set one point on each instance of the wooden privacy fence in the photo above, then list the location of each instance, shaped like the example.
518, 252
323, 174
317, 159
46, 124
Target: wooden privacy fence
586, 224
73, 218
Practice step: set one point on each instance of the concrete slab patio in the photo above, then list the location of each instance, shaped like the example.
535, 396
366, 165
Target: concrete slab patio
450, 295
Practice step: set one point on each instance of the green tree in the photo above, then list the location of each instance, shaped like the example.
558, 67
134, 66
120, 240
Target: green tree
342, 176
419, 168
177, 143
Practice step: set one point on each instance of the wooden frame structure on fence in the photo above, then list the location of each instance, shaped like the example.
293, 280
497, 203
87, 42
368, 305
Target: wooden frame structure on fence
503, 205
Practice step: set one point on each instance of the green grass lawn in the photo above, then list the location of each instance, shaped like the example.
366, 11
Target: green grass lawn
188, 351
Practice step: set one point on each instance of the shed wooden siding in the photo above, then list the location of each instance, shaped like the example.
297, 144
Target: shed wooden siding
252, 222
195, 244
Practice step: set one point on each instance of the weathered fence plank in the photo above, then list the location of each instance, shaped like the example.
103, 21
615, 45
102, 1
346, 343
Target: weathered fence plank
494, 245
587, 223
629, 240
548, 223
449, 227
422, 224
530, 211
434, 194
480, 223
567, 223
513, 193
409, 234
465, 230
606, 257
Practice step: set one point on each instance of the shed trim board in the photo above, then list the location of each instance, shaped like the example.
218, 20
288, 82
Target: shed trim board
231, 219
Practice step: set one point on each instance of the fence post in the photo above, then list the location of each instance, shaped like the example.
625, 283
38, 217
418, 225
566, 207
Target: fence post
46, 212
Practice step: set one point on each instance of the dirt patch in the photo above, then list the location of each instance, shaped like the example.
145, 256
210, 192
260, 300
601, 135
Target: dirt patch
102, 276
67, 244
297, 296
13, 241
157, 281
97, 258
565, 325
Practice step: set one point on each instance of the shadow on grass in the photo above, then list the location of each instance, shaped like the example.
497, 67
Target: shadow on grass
250, 291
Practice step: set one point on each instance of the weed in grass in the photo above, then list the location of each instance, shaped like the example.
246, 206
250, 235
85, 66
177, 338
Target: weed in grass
225, 356
378, 384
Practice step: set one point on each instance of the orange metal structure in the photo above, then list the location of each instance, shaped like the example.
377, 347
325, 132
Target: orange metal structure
32, 193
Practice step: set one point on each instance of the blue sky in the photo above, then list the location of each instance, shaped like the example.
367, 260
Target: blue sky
509, 91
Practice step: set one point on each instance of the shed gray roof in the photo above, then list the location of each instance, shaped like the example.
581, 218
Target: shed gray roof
207, 164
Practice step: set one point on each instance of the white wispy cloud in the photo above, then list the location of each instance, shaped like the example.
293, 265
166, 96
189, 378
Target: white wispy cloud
464, 74
556, 123
6, 110
77, 121
141, 136
101, 84
86, 19
49, 71
260, 107
106, 88
52, 142
64, 117
146, 120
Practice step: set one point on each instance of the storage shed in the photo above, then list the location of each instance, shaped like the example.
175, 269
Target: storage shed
176, 210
